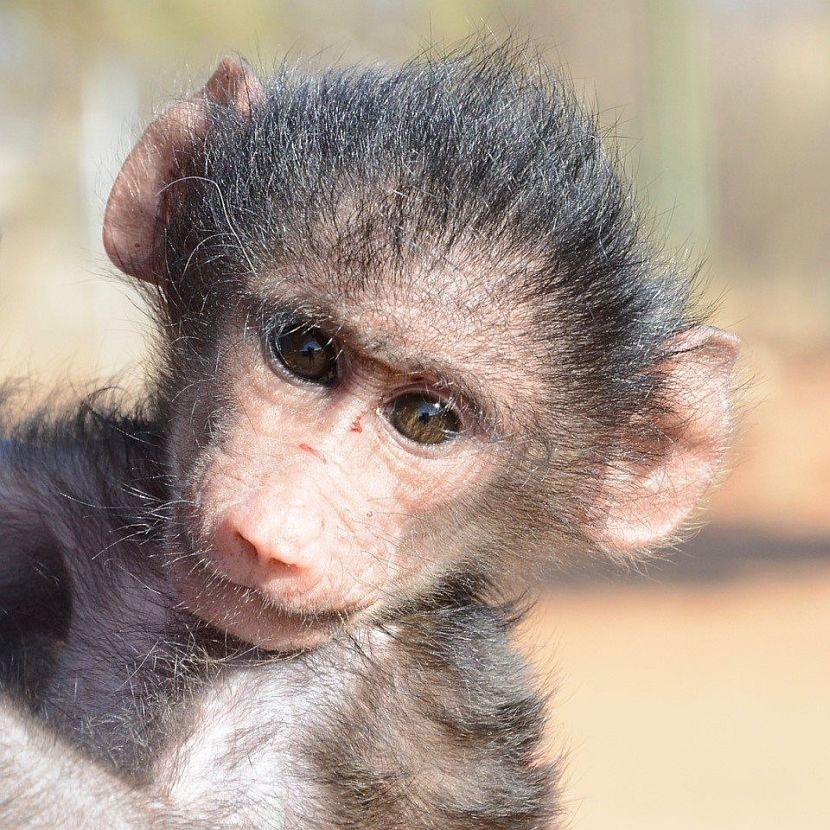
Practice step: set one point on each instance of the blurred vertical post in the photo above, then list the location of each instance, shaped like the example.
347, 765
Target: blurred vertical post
676, 169
109, 101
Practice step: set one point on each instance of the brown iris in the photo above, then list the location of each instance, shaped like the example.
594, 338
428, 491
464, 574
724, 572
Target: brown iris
306, 351
424, 418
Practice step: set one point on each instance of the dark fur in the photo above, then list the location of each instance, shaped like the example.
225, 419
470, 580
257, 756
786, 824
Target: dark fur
376, 177
444, 726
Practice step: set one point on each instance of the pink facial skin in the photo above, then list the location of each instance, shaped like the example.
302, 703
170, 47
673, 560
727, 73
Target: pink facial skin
305, 521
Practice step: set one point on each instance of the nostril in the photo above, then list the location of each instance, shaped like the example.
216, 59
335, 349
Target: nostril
244, 546
276, 567
266, 557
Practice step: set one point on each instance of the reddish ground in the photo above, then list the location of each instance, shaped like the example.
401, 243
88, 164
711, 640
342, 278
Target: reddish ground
695, 706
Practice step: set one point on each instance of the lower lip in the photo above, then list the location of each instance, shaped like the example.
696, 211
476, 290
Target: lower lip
249, 616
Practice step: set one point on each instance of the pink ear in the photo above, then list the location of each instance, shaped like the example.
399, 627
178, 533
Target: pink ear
134, 215
645, 503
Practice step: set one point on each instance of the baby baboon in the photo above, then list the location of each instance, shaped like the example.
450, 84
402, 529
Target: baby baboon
412, 344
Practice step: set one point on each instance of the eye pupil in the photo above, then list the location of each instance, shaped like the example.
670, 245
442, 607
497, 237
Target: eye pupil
311, 350
424, 418
306, 352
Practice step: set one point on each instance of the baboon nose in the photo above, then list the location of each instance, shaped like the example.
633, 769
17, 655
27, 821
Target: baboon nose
261, 554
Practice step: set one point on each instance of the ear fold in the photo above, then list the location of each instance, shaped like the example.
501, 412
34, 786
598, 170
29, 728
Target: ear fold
648, 501
135, 213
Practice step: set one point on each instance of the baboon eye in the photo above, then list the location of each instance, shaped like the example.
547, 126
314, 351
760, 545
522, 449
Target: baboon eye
306, 351
423, 418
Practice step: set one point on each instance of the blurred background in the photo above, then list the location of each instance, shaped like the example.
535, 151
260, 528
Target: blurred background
696, 695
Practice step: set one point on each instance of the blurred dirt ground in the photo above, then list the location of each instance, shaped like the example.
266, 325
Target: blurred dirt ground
695, 705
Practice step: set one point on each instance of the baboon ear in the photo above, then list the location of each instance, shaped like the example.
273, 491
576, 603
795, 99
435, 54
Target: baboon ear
644, 502
136, 210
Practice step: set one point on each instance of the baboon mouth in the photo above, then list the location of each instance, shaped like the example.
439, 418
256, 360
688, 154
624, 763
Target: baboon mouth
308, 616
255, 617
